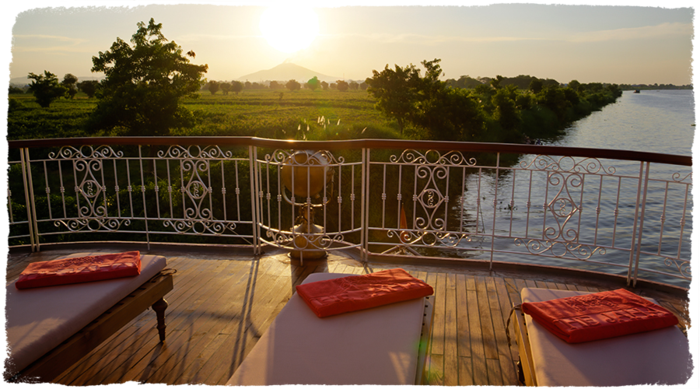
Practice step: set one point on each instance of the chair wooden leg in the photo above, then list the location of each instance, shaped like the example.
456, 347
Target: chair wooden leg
159, 307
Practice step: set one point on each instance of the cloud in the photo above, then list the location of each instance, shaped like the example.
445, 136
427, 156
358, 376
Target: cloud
34, 43
52, 37
426, 39
645, 32
214, 37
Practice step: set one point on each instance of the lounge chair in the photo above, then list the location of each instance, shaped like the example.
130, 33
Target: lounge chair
655, 357
380, 346
51, 328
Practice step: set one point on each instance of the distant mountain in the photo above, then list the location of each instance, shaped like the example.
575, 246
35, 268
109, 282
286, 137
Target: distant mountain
285, 72
21, 81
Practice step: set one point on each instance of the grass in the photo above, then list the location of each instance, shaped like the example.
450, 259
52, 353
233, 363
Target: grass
264, 113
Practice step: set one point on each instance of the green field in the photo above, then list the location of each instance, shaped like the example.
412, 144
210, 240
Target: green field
304, 114
264, 113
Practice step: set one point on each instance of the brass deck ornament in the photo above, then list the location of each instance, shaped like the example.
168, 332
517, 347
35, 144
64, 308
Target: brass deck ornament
306, 174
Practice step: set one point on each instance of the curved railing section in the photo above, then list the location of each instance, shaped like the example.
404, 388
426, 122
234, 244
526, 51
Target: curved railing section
620, 212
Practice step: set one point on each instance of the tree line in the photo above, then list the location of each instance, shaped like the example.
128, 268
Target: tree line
46, 87
292, 85
496, 109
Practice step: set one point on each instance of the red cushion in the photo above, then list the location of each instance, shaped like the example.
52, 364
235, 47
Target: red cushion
600, 315
81, 269
346, 294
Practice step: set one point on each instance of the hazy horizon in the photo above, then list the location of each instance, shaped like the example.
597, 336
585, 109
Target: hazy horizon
589, 43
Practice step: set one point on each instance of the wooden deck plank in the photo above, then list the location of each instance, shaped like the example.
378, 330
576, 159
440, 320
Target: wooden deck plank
532, 283
489, 339
238, 335
256, 283
222, 304
463, 336
494, 372
181, 359
450, 345
435, 361
466, 377
259, 313
513, 290
115, 352
219, 308
488, 332
478, 359
436, 375
571, 287
541, 284
208, 345
499, 316
438, 345
180, 331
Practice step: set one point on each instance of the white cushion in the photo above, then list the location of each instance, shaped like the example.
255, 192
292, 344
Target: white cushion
377, 346
40, 319
655, 357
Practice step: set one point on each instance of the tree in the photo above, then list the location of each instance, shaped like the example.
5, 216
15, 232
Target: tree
46, 88
324, 85
464, 82
13, 90
313, 83
213, 87
496, 82
225, 87
426, 102
144, 85
506, 111
395, 92
342, 85
88, 87
275, 85
293, 85
536, 85
69, 82
354, 85
575, 85
236, 86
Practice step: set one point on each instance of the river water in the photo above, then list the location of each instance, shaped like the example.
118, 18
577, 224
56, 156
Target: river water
654, 121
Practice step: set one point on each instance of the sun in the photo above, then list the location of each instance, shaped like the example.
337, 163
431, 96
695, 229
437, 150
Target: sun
289, 28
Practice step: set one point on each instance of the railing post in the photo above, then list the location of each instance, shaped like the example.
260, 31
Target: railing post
641, 225
143, 195
29, 199
495, 202
633, 246
364, 219
256, 211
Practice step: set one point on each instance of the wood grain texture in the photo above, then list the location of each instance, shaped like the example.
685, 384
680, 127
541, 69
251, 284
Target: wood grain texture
222, 303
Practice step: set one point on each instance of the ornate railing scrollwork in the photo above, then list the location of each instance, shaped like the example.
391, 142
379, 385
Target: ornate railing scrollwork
559, 249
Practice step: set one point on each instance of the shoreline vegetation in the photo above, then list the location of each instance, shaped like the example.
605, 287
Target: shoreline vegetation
510, 110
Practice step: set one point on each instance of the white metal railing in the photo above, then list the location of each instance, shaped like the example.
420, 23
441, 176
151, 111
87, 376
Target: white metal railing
612, 211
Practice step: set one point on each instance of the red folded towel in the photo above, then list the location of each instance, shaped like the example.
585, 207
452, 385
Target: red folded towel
81, 269
353, 293
599, 315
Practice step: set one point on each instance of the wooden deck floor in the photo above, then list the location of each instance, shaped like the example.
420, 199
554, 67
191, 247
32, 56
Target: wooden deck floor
222, 302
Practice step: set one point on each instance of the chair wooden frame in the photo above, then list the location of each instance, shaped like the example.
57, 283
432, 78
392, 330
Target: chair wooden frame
422, 374
523, 341
63, 356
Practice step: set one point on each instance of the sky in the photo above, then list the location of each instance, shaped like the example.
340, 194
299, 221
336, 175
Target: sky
630, 43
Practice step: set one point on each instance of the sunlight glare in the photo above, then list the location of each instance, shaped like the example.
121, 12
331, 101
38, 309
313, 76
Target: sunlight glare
289, 29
